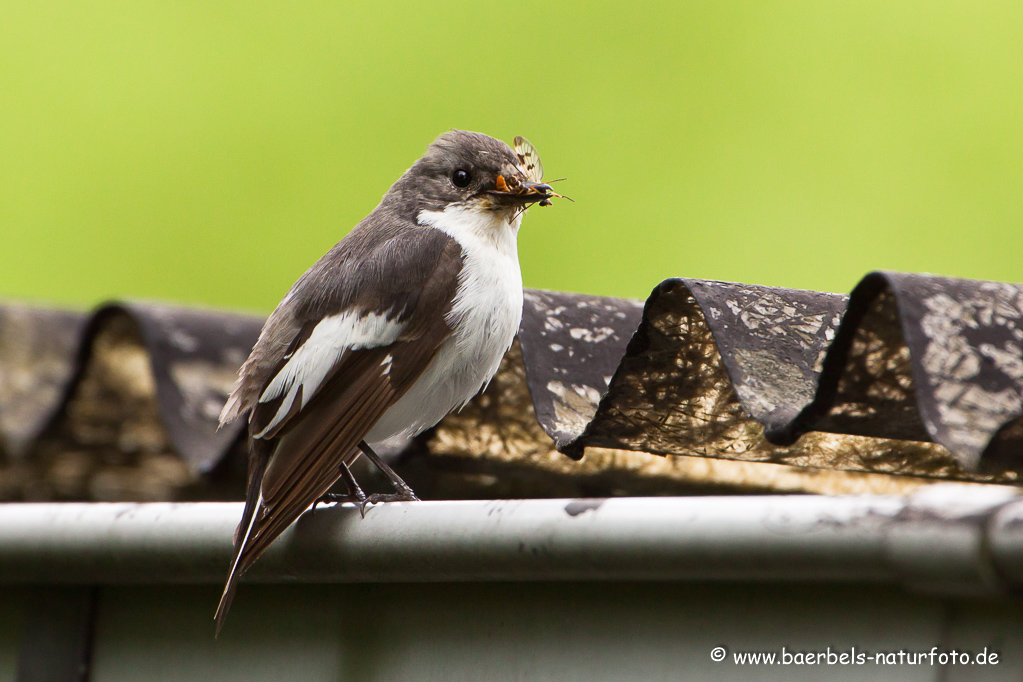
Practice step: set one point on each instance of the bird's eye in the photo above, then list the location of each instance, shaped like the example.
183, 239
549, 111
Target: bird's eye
461, 178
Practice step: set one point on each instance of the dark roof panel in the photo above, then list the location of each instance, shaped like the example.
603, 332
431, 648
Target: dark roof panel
913, 373
39, 350
931, 358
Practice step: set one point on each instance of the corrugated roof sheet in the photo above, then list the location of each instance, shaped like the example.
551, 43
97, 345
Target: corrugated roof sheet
912, 374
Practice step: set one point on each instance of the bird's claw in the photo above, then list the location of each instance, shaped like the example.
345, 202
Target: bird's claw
358, 500
392, 497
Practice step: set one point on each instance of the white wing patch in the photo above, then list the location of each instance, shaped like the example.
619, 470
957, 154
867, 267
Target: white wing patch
309, 365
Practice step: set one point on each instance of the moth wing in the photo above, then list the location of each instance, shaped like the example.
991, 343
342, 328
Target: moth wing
529, 158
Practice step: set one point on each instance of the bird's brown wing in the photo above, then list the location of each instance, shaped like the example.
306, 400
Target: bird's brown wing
309, 456
311, 452
323, 394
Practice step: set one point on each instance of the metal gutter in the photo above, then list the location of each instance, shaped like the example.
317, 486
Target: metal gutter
946, 539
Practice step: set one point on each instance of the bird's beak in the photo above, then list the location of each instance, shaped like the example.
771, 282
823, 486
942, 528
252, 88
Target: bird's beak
512, 191
541, 188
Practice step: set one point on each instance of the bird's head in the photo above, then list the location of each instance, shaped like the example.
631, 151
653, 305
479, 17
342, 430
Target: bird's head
475, 172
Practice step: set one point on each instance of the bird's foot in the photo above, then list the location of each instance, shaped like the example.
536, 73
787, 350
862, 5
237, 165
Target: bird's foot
402, 492
378, 498
336, 498
392, 497
355, 495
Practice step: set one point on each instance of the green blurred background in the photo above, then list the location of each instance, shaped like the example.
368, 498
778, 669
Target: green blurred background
210, 152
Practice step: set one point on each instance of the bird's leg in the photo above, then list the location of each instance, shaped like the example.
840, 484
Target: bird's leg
355, 494
402, 493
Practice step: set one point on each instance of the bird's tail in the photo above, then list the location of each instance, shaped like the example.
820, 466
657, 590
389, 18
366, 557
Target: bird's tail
259, 455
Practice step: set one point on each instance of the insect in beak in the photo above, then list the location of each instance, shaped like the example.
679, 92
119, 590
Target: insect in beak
529, 161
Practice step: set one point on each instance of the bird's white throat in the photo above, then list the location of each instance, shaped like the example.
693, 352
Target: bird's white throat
471, 224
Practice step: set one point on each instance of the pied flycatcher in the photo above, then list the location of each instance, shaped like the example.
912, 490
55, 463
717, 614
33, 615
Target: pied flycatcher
403, 321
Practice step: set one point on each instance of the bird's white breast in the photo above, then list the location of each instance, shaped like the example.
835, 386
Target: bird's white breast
484, 318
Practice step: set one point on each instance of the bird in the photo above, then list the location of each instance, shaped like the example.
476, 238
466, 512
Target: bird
403, 321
